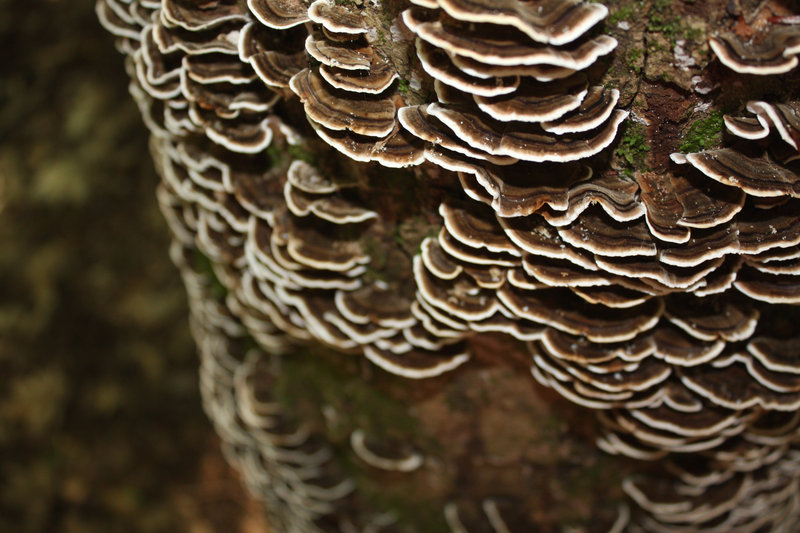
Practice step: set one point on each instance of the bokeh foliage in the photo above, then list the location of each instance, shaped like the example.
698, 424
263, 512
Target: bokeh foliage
101, 427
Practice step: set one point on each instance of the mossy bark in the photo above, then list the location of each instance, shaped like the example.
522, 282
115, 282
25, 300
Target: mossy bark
488, 430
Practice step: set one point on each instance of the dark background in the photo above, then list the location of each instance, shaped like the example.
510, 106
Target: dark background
101, 426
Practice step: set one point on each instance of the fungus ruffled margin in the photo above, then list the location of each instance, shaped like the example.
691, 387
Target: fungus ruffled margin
615, 334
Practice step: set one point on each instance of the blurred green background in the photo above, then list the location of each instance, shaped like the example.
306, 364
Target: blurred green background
101, 427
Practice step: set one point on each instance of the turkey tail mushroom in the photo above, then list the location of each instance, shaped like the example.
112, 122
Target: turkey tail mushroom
426, 190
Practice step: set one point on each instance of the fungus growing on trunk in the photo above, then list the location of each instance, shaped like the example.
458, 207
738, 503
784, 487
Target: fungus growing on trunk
428, 187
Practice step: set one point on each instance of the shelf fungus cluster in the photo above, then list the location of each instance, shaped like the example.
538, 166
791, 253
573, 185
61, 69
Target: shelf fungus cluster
663, 300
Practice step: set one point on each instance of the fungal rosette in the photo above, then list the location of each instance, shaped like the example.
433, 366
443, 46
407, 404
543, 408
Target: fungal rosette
654, 298
508, 82
772, 52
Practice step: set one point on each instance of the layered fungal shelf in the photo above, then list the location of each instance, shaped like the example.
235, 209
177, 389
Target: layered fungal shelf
421, 202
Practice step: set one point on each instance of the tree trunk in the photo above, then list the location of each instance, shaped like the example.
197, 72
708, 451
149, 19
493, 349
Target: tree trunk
486, 266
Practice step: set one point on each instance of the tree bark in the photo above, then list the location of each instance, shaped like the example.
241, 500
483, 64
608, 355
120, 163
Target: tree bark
317, 229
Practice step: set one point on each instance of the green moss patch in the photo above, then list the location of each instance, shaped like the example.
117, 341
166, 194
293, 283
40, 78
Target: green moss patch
703, 134
203, 265
627, 12
663, 18
402, 87
633, 148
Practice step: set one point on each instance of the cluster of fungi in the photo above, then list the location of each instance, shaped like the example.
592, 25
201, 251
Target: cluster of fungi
298, 141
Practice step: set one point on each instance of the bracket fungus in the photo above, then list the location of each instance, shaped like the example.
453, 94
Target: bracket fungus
427, 188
